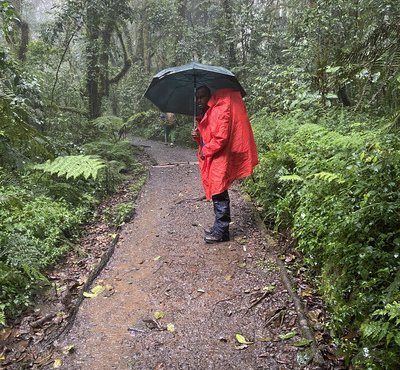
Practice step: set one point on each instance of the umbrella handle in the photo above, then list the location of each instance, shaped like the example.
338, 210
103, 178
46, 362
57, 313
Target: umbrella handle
194, 101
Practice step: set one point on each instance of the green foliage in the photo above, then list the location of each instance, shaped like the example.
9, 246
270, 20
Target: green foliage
336, 192
73, 166
8, 17
283, 89
110, 127
121, 151
20, 116
35, 232
119, 214
146, 124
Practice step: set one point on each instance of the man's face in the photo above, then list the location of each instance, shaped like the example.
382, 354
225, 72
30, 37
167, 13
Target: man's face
202, 98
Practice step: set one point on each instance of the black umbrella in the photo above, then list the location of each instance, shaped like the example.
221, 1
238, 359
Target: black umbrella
173, 89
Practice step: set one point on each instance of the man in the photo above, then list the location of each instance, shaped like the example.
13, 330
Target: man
227, 151
169, 128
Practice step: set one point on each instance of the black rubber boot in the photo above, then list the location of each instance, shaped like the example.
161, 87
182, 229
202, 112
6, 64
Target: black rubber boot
220, 230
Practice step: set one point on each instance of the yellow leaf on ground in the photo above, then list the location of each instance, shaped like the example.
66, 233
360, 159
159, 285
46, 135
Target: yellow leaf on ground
157, 258
89, 295
242, 340
307, 292
171, 327
57, 363
98, 289
94, 292
159, 315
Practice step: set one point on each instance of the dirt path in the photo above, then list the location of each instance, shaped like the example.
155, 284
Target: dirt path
209, 293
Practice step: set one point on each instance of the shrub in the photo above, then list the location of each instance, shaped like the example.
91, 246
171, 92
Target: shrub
335, 189
35, 233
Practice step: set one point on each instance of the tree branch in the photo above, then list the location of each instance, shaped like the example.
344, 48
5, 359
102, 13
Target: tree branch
61, 61
127, 61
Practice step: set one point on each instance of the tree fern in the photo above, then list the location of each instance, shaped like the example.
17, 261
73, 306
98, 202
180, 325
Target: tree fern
328, 176
294, 178
73, 166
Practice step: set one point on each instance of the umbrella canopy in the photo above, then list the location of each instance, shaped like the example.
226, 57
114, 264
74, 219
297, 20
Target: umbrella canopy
173, 89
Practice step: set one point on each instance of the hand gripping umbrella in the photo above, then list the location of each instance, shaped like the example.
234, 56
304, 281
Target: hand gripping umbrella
174, 89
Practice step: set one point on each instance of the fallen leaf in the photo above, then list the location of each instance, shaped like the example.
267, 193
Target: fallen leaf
68, 349
157, 258
288, 335
228, 277
307, 292
240, 240
57, 363
242, 340
158, 315
94, 292
44, 360
315, 315
171, 327
302, 343
290, 258
269, 288
5, 333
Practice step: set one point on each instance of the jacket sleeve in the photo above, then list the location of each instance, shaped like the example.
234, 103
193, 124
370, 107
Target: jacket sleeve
220, 127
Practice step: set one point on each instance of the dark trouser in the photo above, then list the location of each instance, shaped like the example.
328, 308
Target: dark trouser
222, 213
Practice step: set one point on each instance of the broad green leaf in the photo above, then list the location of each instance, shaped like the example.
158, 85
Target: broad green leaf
303, 343
171, 327
288, 335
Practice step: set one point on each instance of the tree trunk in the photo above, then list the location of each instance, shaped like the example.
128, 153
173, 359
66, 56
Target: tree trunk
104, 59
146, 49
229, 30
23, 45
92, 49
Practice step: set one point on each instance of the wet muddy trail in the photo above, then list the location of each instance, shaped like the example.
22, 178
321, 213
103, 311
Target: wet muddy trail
173, 302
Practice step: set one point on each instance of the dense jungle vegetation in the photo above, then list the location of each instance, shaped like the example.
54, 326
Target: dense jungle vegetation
323, 80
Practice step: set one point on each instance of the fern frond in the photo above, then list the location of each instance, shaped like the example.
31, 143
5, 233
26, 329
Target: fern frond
287, 178
73, 166
328, 176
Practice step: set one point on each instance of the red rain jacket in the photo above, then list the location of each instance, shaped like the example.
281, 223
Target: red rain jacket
227, 150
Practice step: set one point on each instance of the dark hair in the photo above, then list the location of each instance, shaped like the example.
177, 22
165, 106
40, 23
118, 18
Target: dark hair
205, 87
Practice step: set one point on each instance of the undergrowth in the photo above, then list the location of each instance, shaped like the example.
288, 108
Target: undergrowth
334, 183
43, 207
